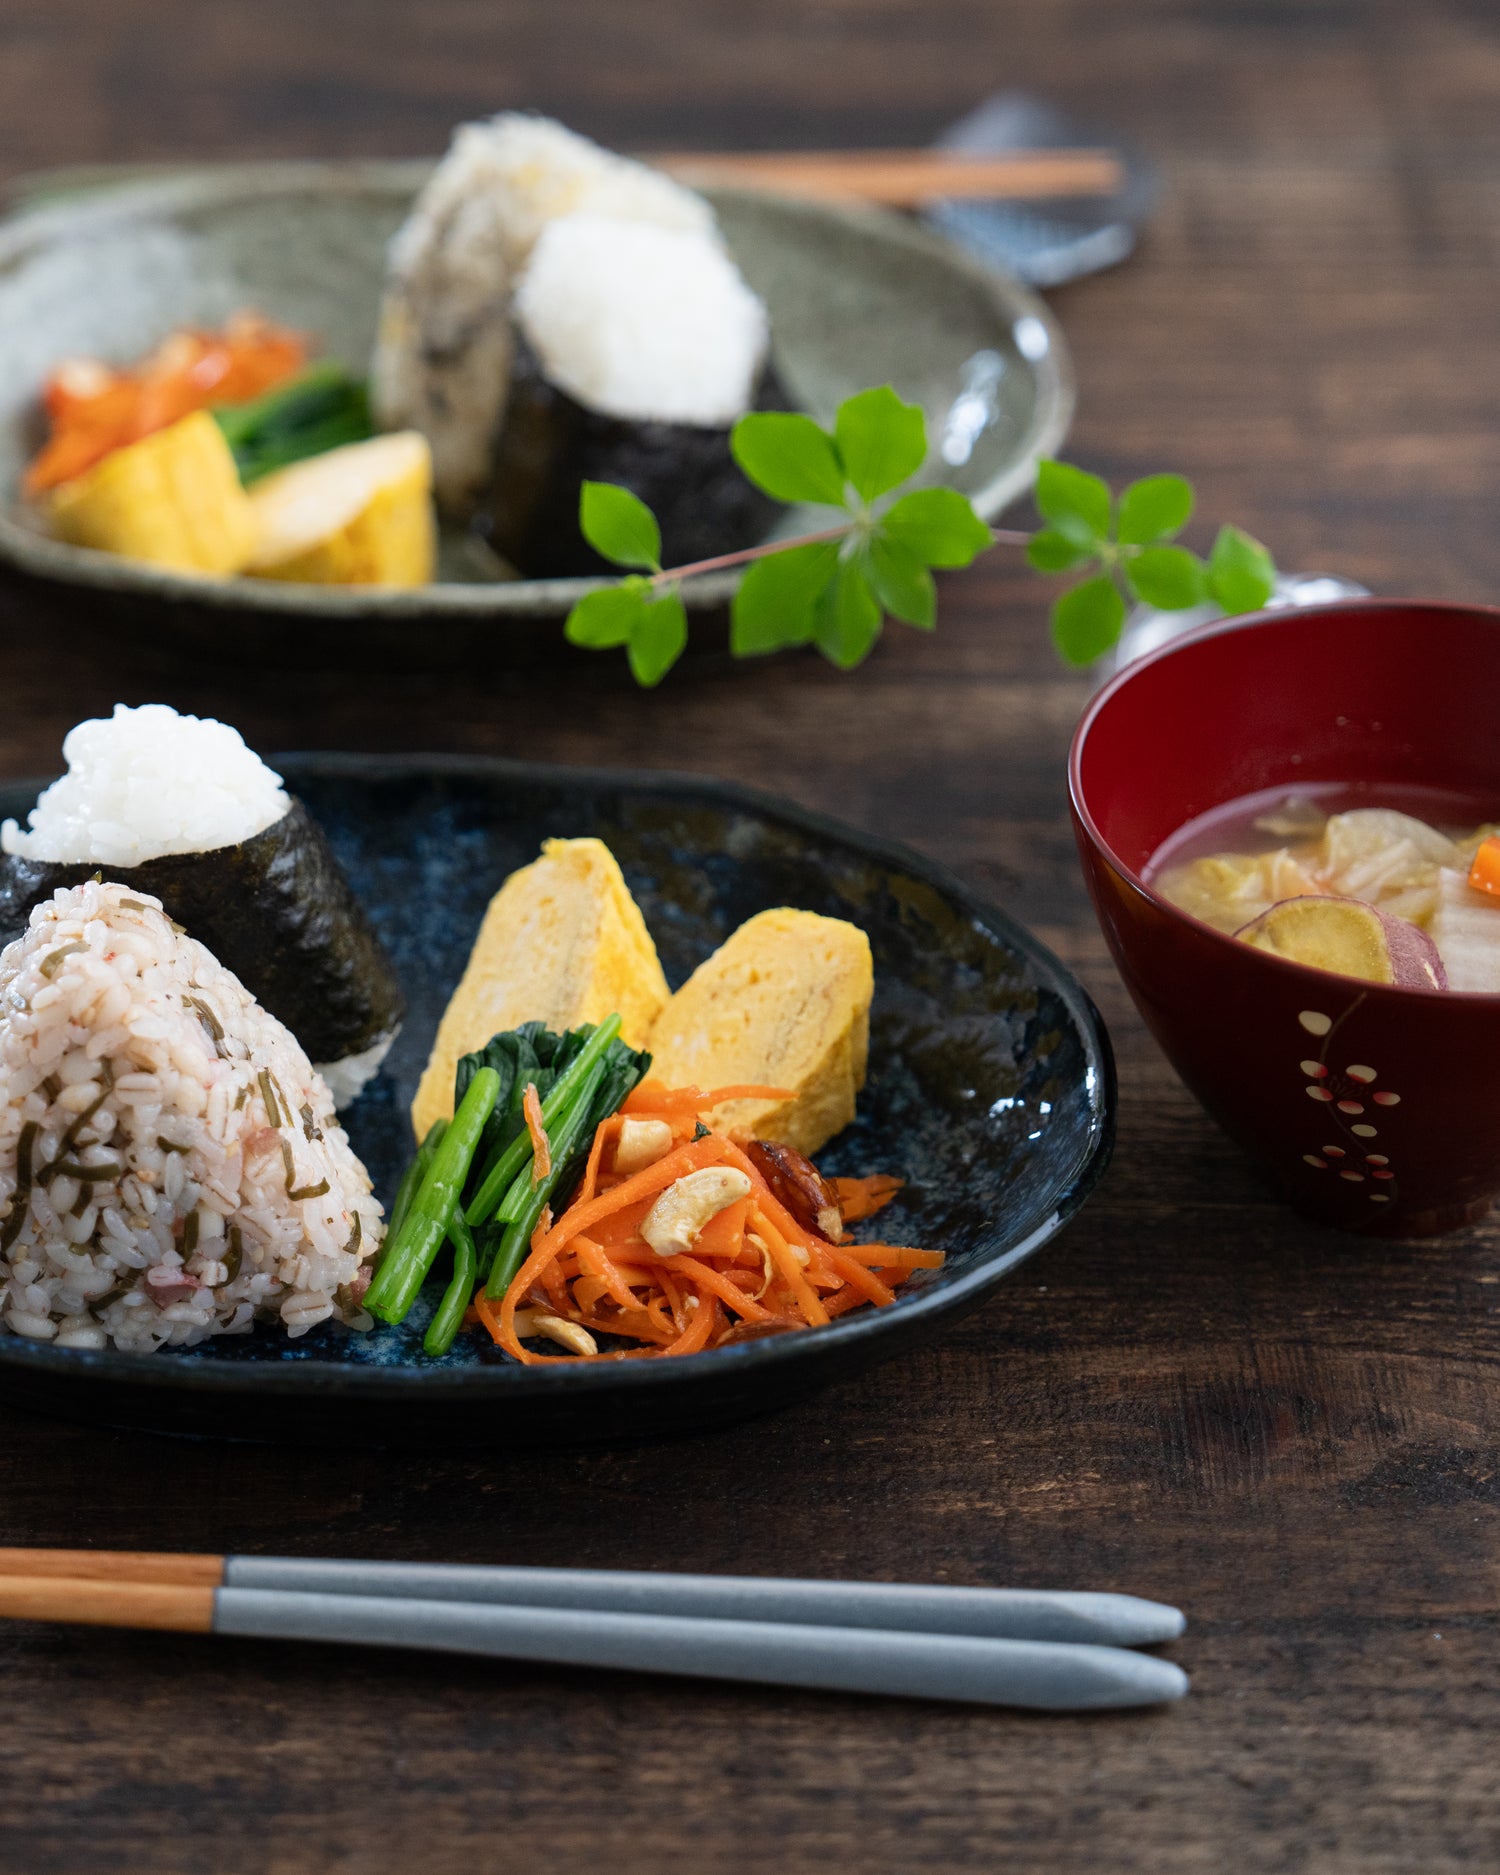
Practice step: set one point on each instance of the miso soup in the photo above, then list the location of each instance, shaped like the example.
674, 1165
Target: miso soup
1396, 886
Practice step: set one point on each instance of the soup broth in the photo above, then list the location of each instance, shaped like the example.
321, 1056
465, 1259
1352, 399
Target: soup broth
1286, 871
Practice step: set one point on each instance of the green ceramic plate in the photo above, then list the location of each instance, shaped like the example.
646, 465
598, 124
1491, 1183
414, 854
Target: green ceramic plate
107, 265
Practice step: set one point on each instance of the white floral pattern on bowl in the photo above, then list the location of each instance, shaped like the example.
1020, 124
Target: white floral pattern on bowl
1348, 1094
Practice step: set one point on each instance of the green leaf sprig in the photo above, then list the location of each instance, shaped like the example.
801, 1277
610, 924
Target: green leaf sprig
1128, 544
652, 625
834, 588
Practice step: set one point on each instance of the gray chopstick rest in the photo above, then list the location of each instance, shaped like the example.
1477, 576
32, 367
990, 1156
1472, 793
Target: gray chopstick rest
1039, 1675
1009, 1614
1043, 243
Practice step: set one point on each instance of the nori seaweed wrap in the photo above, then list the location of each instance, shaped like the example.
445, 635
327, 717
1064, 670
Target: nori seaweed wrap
277, 910
550, 444
637, 349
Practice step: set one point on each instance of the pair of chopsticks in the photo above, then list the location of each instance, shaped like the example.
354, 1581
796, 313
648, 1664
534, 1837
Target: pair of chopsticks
1012, 1647
906, 178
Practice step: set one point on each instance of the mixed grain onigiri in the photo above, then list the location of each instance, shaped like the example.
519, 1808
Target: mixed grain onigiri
171, 1166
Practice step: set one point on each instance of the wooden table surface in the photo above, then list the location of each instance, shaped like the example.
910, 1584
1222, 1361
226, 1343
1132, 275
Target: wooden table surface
1191, 1395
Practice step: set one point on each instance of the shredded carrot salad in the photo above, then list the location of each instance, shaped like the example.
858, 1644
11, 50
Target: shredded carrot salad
93, 409
751, 1269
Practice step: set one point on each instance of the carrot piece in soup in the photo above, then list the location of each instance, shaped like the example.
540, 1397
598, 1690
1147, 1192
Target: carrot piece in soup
1484, 874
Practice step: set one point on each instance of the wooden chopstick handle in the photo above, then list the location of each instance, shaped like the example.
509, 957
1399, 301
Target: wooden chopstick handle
177, 1606
114, 1565
906, 178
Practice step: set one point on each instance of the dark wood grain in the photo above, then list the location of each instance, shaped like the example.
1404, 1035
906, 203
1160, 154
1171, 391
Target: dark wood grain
1192, 1396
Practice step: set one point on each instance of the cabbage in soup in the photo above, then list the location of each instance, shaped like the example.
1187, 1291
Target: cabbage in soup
1404, 893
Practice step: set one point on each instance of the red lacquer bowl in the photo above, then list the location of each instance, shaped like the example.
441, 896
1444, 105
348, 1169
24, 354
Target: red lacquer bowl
1376, 1109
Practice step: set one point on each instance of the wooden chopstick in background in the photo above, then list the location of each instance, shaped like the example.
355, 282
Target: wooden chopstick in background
904, 178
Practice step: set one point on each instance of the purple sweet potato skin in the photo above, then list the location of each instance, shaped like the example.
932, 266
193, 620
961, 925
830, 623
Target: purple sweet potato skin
1417, 962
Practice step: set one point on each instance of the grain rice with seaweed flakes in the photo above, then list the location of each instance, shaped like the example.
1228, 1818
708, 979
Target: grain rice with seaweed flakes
170, 1163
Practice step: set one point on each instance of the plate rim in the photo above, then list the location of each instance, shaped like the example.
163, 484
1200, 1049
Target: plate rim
200, 1374
37, 222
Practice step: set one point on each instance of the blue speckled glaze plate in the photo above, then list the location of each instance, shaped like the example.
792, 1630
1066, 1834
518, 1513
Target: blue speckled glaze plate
991, 1090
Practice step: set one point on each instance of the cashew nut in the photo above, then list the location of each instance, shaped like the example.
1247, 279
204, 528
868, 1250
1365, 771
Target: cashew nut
674, 1221
537, 1323
641, 1143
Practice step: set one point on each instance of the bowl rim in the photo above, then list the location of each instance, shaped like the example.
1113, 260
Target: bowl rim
111, 196
313, 1378
1227, 627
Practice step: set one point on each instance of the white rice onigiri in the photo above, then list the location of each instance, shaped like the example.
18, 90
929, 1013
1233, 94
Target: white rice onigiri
504, 180
146, 782
443, 356
650, 324
170, 1164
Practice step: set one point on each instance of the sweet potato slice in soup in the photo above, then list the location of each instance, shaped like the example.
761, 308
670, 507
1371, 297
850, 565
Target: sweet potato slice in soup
1351, 939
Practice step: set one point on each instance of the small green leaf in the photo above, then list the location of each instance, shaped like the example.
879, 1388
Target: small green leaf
620, 526
1051, 552
778, 596
1241, 574
658, 640
1086, 621
848, 620
607, 617
1155, 508
1076, 503
882, 441
1168, 577
789, 456
939, 525
901, 583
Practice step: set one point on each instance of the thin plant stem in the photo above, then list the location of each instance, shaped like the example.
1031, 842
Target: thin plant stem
745, 554
1000, 536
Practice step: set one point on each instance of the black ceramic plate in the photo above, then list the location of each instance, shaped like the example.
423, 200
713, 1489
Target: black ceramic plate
991, 1090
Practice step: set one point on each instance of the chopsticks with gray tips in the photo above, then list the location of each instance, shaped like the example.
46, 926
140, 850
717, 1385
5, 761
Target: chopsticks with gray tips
996, 1614
1039, 1649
